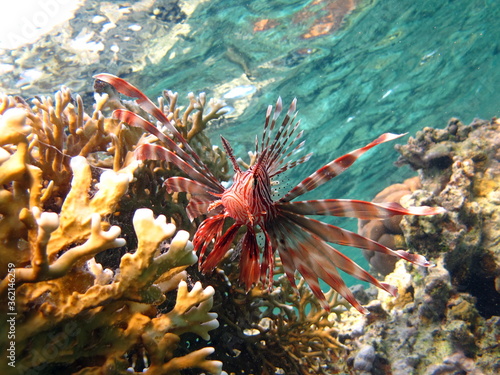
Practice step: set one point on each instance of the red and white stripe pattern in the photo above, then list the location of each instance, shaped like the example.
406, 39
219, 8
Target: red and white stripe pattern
334, 168
354, 208
301, 242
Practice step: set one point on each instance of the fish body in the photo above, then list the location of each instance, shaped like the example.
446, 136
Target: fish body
248, 200
302, 243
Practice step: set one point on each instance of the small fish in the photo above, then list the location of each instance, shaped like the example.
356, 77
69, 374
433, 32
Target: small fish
237, 56
301, 242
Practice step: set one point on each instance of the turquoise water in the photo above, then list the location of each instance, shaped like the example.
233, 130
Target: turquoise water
394, 65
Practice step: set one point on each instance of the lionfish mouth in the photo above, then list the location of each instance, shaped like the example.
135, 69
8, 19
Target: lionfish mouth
303, 244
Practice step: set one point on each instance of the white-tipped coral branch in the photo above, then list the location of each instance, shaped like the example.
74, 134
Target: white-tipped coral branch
50, 232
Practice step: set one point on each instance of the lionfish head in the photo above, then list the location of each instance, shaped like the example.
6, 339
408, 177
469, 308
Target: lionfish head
248, 200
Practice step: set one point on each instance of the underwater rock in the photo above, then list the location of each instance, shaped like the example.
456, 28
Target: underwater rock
425, 330
460, 170
101, 36
446, 319
364, 358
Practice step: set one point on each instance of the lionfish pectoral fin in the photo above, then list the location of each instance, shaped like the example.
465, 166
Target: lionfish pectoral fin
196, 208
333, 234
221, 247
182, 184
186, 153
122, 86
207, 233
313, 283
417, 259
125, 88
267, 266
390, 289
355, 208
334, 168
313, 258
419, 211
155, 152
334, 280
249, 259
133, 119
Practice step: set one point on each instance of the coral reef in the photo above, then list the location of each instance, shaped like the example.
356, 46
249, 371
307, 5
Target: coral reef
276, 331
446, 319
460, 167
55, 197
430, 328
98, 284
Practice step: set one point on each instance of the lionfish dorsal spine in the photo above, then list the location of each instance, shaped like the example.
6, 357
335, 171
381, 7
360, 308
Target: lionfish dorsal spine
230, 154
269, 126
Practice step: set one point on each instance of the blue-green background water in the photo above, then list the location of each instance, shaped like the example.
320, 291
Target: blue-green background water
387, 66
394, 65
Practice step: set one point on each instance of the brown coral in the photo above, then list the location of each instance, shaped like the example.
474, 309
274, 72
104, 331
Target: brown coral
275, 331
387, 231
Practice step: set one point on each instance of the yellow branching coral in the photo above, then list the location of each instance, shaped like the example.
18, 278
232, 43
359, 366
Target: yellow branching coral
78, 207
49, 273
117, 307
56, 129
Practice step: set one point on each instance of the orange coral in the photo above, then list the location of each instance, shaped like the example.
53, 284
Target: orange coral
333, 12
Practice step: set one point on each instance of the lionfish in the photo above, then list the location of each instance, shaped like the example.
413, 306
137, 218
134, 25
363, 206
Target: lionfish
302, 242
